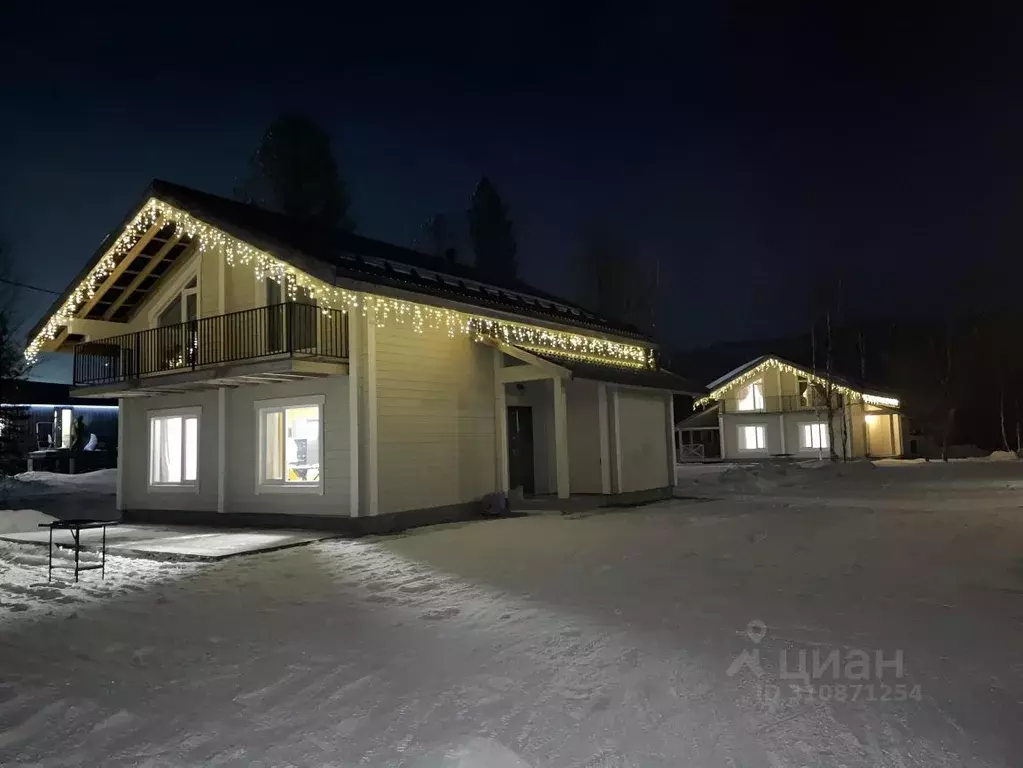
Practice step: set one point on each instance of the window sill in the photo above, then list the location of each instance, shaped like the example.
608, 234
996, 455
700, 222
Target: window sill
173, 487
314, 489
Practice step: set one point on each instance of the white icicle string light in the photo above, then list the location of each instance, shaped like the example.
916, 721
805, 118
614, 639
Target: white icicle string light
784, 367
208, 238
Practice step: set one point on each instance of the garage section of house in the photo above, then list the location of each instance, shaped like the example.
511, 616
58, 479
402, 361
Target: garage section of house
269, 377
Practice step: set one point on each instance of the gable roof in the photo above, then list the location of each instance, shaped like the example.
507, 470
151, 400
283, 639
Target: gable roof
841, 382
357, 259
661, 378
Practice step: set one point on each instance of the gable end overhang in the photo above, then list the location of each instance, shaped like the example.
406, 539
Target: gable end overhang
276, 259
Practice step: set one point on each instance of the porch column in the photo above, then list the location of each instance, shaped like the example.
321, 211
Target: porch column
891, 429
221, 449
372, 454
120, 455
500, 424
721, 430
561, 437
605, 440
672, 448
354, 373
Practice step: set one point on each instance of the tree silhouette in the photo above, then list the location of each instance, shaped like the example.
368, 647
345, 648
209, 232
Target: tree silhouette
492, 235
13, 420
293, 171
437, 237
616, 284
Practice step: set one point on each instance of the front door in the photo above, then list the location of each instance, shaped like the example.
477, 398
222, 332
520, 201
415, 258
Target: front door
520, 447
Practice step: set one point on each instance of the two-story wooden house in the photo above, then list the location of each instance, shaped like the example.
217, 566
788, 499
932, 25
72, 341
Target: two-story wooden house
772, 407
269, 373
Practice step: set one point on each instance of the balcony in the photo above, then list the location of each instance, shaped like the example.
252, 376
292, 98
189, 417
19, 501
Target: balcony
781, 404
273, 343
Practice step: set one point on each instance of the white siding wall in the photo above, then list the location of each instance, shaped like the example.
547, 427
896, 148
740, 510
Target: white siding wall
643, 419
243, 449
134, 453
583, 436
435, 418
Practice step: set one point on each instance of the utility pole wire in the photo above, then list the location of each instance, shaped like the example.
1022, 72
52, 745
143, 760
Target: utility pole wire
29, 287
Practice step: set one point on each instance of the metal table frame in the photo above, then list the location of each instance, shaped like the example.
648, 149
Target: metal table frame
75, 527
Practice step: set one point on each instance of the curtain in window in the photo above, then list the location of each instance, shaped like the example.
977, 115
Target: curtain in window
191, 448
273, 445
165, 450
155, 451
171, 450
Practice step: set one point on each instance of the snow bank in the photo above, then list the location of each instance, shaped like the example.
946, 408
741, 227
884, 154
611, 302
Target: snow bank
994, 456
22, 520
898, 462
90, 494
100, 481
1001, 456
768, 475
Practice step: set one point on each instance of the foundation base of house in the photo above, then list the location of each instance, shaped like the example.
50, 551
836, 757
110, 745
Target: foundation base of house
393, 522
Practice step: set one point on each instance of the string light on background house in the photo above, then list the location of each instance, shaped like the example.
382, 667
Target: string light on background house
210, 239
891, 402
771, 363
581, 357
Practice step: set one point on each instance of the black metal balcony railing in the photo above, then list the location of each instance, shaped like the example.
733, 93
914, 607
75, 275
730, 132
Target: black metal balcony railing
780, 403
289, 330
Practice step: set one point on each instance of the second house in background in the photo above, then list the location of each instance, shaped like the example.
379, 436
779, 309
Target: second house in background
772, 407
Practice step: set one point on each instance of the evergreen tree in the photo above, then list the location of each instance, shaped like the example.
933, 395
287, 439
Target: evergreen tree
616, 284
492, 235
437, 237
294, 171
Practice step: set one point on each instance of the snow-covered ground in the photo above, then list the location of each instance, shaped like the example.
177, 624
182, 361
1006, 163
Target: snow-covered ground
611, 638
90, 494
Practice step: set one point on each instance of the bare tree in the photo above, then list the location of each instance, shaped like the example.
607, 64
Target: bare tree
13, 366
829, 399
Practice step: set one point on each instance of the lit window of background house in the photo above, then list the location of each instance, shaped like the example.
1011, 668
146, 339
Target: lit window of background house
815, 435
753, 437
751, 397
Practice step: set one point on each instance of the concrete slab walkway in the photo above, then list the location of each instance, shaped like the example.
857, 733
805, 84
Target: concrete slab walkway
176, 542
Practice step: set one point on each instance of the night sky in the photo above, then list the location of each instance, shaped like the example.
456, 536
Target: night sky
741, 150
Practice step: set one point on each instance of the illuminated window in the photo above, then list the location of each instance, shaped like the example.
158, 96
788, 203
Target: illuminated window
752, 437
290, 436
65, 427
751, 397
174, 448
815, 435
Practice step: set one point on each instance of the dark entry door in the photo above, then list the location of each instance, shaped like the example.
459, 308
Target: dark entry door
520, 447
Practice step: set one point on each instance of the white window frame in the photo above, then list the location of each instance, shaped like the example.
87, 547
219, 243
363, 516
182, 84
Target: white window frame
806, 430
761, 430
166, 413
263, 407
176, 289
755, 388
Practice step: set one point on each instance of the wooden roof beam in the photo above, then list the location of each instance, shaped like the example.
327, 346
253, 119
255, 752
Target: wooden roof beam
159, 256
117, 271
